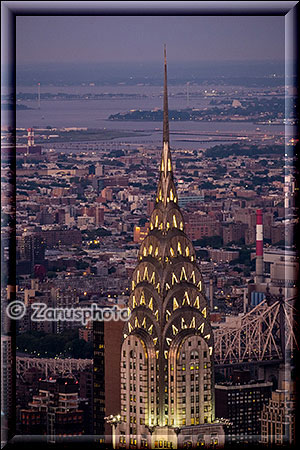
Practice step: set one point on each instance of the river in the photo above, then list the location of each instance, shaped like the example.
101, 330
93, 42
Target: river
94, 113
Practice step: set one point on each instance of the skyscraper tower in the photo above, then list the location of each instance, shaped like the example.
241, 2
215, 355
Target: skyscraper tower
167, 383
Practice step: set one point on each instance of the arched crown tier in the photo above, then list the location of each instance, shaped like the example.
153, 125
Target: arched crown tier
167, 248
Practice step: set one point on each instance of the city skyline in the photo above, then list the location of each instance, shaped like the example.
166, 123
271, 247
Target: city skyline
174, 200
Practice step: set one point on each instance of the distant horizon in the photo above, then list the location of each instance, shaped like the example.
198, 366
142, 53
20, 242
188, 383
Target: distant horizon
148, 72
157, 61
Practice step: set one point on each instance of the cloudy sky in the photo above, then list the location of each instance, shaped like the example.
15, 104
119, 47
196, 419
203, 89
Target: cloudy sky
140, 38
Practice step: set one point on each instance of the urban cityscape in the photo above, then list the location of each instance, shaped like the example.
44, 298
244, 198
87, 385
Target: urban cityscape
180, 209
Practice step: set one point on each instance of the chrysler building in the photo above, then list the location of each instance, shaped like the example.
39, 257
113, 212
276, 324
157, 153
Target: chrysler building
167, 374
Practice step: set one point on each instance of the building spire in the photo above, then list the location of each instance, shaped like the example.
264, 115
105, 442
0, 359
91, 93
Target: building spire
166, 189
166, 113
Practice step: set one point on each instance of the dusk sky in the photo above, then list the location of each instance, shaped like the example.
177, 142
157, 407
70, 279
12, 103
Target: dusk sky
140, 38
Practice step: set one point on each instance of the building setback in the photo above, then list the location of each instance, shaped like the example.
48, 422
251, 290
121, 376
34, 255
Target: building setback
55, 411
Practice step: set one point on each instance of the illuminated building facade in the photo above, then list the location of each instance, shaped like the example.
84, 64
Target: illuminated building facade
278, 419
167, 381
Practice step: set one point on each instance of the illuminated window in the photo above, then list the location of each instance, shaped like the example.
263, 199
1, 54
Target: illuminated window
175, 330
174, 278
146, 273
151, 304
186, 298
142, 299
175, 304
183, 274
174, 221
152, 279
